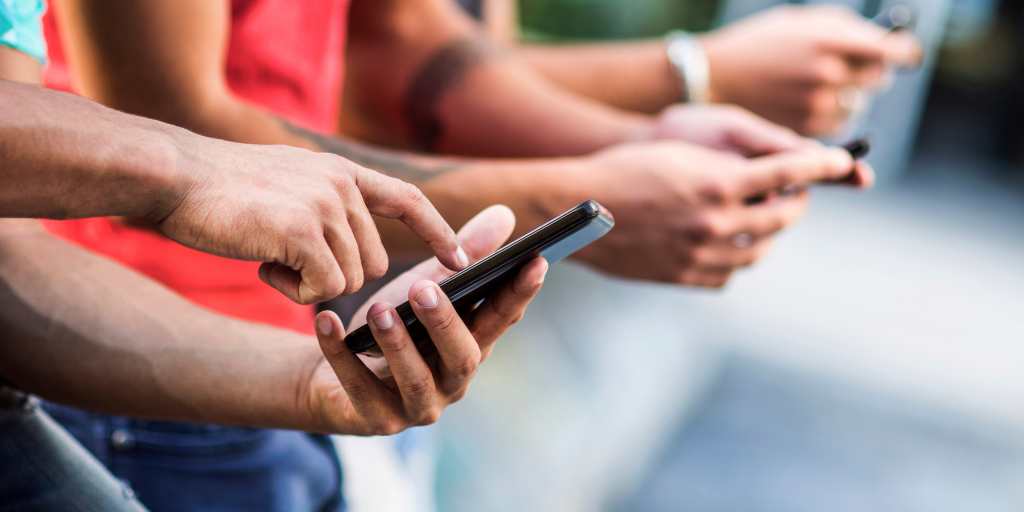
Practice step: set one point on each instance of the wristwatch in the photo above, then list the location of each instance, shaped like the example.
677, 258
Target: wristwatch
690, 62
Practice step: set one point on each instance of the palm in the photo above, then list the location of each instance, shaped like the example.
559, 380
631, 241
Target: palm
480, 237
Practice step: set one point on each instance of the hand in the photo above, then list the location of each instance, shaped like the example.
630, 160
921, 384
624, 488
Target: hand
726, 128
693, 216
381, 396
306, 215
808, 68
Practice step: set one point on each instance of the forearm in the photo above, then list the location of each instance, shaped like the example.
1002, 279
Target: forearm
147, 352
67, 157
634, 76
500, 108
447, 89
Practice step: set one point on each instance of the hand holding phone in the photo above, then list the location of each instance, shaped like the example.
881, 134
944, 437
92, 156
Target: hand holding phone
554, 240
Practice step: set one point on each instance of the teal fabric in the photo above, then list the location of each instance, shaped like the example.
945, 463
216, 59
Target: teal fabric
21, 28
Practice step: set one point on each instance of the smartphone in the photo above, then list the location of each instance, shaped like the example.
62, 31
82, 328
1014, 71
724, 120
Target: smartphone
858, 148
554, 240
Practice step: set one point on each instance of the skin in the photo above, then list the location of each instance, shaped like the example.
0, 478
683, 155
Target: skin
675, 223
483, 101
306, 215
787, 64
150, 353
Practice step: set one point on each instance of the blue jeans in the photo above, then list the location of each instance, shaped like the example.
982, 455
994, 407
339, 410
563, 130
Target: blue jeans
183, 466
43, 469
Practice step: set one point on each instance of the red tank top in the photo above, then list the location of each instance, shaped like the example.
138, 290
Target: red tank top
283, 55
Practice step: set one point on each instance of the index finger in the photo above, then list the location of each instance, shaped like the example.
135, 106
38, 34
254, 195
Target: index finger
793, 169
395, 199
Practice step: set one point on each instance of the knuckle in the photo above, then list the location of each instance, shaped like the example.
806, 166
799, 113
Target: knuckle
419, 389
516, 317
412, 195
700, 256
713, 191
353, 285
784, 176
343, 180
458, 394
508, 314
331, 288
387, 426
701, 231
466, 368
301, 227
327, 206
443, 322
716, 228
356, 391
391, 342
376, 266
429, 416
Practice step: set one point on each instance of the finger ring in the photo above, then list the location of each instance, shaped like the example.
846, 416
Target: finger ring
743, 240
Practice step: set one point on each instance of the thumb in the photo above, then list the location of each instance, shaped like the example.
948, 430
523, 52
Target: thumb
485, 232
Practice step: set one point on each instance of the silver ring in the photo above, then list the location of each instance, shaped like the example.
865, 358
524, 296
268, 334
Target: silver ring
743, 240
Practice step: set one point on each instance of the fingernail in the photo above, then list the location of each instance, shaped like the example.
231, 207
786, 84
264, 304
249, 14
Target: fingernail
461, 258
324, 325
384, 320
543, 274
427, 297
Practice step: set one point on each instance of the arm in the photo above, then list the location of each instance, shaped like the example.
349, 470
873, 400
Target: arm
306, 215
535, 189
81, 330
93, 162
787, 64
632, 75
439, 84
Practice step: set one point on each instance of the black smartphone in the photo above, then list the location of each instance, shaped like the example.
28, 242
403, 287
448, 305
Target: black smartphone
554, 240
858, 148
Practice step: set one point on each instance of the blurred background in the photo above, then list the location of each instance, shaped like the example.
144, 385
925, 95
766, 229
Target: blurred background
873, 362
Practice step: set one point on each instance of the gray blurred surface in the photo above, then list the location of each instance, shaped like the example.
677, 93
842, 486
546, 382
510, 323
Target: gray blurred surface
911, 292
884, 342
766, 439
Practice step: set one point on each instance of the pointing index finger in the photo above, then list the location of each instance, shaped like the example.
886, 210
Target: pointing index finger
395, 199
793, 169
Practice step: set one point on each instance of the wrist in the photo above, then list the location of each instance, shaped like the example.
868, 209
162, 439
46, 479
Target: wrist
164, 171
